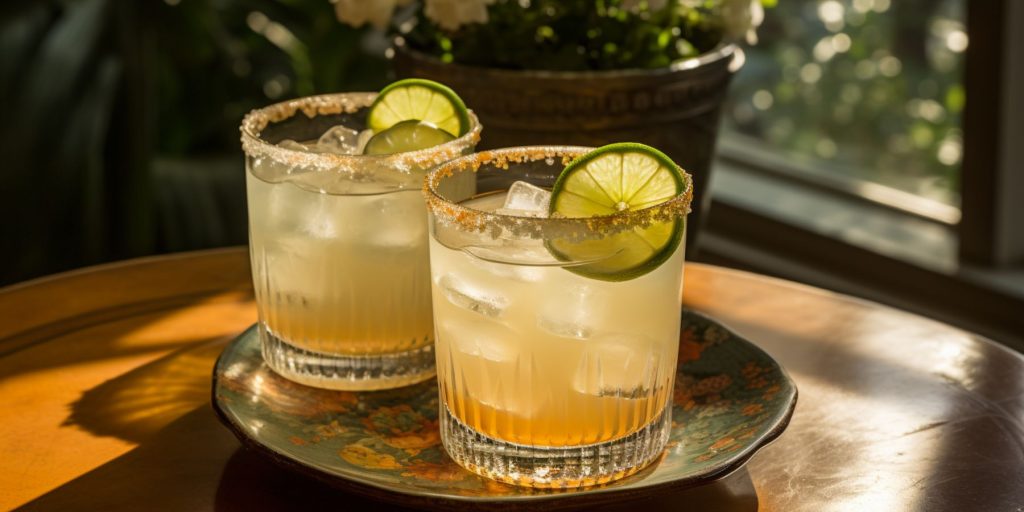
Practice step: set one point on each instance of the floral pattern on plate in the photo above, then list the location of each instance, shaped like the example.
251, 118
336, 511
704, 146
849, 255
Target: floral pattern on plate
730, 399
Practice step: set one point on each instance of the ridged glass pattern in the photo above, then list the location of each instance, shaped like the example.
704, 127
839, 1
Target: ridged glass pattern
555, 368
549, 378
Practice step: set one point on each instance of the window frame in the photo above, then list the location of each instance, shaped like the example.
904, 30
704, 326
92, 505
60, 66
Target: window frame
992, 166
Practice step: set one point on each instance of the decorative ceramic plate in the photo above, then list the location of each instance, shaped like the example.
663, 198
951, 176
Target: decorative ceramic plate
730, 400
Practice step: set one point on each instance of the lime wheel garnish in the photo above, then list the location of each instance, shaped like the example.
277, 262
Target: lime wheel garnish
415, 99
609, 180
406, 136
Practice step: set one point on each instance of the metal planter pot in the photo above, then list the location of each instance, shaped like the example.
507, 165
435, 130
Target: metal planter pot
675, 109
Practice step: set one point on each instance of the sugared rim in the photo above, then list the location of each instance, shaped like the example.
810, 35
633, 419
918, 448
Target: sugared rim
469, 219
326, 104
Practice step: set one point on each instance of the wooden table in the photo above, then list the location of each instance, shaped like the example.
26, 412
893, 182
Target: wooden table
105, 373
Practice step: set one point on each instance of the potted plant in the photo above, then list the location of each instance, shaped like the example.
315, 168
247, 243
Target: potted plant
585, 72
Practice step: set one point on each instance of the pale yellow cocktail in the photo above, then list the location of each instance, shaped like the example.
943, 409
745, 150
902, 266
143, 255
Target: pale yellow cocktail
338, 241
556, 337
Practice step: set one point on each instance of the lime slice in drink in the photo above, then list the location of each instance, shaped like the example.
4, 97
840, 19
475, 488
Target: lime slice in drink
406, 136
422, 100
609, 180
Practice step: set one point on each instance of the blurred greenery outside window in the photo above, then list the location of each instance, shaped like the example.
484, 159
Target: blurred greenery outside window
850, 159
857, 91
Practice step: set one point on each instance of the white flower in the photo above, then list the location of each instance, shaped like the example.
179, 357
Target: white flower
452, 14
358, 12
740, 18
633, 6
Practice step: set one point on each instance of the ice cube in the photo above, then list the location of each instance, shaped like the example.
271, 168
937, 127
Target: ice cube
339, 139
291, 144
620, 365
526, 200
525, 274
509, 251
291, 266
512, 259
277, 204
398, 220
572, 328
525, 196
572, 312
492, 367
491, 342
284, 208
319, 220
472, 298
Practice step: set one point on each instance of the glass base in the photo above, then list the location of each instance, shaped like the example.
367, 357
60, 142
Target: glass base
561, 467
346, 372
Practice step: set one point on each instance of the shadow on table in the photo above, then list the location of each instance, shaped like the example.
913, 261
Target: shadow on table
176, 468
194, 463
252, 482
186, 460
141, 402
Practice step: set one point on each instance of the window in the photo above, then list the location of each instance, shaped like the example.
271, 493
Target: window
873, 147
858, 90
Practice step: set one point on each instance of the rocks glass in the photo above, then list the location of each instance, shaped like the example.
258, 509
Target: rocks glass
338, 244
548, 378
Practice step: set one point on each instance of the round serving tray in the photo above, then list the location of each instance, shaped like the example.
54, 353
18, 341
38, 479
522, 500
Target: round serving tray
730, 400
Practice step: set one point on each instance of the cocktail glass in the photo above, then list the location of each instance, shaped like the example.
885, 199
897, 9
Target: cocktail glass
548, 377
338, 245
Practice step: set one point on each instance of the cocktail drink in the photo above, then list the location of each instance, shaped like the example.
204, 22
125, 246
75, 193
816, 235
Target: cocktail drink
338, 240
557, 313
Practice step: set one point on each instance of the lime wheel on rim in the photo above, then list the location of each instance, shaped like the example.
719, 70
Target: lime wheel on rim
405, 136
610, 180
419, 100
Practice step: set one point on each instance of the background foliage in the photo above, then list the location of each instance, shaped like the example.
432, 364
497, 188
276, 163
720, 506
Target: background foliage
865, 89
121, 133
571, 35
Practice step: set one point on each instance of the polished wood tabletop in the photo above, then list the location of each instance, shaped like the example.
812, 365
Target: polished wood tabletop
105, 394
